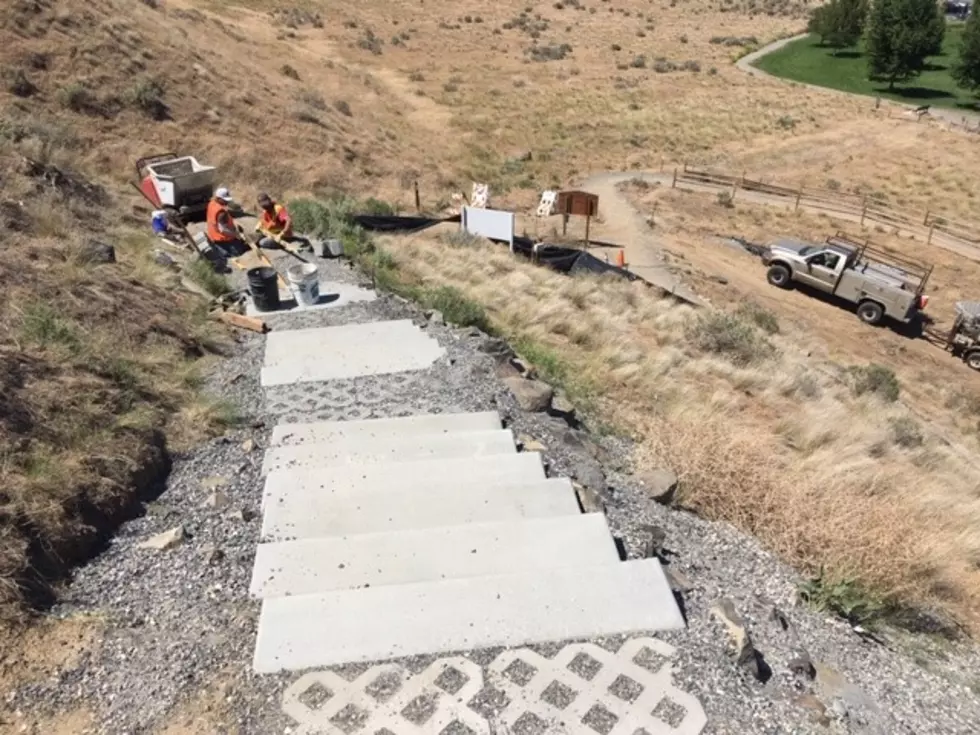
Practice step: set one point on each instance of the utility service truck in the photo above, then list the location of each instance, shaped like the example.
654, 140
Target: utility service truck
878, 283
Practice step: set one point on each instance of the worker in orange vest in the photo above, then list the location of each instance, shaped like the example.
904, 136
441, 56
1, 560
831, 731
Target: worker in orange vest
275, 226
222, 230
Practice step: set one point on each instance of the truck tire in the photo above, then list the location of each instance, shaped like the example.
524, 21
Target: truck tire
972, 359
779, 276
870, 312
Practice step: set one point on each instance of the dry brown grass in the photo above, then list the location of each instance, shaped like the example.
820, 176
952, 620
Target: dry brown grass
761, 437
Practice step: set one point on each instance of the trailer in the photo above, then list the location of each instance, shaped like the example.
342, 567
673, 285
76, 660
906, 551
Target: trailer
177, 184
963, 340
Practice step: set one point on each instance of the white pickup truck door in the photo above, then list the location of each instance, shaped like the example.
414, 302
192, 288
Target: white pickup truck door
822, 270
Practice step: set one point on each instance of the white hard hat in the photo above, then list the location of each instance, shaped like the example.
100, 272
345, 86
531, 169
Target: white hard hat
223, 193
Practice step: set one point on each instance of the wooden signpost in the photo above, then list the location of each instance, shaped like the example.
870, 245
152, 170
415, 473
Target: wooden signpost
580, 204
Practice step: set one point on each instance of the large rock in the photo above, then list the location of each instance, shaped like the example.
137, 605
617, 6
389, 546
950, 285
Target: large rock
531, 395
589, 473
97, 252
165, 540
588, 499
744, 652
661, 485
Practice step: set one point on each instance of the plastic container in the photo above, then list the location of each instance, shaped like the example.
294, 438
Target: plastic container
333, 248
263, 284
158, 221
304, 280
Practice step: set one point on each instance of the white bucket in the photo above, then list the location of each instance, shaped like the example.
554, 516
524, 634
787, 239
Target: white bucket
304, 280
334, 248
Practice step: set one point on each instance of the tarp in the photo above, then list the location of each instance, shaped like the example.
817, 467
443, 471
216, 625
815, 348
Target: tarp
556, 257
394, 223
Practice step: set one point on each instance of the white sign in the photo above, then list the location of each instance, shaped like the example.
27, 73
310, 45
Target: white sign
547, 206
490, 223
481, 195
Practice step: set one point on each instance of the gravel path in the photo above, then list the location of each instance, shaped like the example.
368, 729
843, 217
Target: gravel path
179, 623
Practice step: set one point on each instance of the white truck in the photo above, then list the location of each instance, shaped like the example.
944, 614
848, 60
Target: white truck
878, 283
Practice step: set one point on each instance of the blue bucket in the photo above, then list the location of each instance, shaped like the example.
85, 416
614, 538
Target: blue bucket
159, 222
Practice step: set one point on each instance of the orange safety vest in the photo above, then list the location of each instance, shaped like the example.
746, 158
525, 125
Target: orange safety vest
215, 210
270, 222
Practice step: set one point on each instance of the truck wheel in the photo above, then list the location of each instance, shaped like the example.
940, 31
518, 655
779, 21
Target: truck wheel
779, 276
870, 313
973, 359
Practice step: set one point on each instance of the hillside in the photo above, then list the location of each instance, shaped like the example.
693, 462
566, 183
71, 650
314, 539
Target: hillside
117, 388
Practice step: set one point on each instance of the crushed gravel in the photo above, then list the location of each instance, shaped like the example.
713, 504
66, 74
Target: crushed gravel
180, 621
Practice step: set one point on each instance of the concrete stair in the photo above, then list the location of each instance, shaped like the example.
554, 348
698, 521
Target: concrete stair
424, 554
350, 351
428, 534
362, 450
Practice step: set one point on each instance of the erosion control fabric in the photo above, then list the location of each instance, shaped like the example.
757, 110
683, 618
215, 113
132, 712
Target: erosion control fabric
556, 257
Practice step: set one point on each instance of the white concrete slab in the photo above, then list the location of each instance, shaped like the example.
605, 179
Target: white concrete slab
395, 510
338, 363
371, 450
384, 622
440, 423
332, 295
322, 485
313, 566
283, 344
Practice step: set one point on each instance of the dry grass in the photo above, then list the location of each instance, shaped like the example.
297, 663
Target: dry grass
760, 436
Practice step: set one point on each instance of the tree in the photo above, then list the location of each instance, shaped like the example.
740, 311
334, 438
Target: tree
901, 34
966, 70
839, 23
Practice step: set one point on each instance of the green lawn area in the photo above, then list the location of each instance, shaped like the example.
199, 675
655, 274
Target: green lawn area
806, 61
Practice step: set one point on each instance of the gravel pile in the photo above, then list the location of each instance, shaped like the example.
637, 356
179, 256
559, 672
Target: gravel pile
179, 621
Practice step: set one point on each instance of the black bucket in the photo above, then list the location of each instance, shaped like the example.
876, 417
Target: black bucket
264, 287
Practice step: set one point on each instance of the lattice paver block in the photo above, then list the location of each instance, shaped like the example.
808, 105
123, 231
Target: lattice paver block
587, 689
547, 206
388, 698
583, 690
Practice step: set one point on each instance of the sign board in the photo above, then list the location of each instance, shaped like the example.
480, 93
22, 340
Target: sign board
547, 206
490, 223
481, 195
579, 203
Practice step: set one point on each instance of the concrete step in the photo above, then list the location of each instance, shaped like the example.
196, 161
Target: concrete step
440, 423
313, 566
323, 485
370, 450
333, 353
377, 623
396, 510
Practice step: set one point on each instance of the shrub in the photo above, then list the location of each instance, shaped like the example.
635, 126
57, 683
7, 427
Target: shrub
20, 86
554, 52
287, 71
730, 336
343, 108
416, 76
378, 207
843, 597
43, 326
78, 98
313, 99
760, 316
148, 97
786, 122
455, 307
878, 380
907, 433
725, 199
663, 66
692, 65
370, 42
639, 62
201, 272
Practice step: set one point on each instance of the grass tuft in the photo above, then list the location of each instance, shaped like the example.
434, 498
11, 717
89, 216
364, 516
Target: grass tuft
730, 336
877, 380
201, 272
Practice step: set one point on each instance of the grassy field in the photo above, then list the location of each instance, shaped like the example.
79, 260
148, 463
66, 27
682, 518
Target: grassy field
807, 61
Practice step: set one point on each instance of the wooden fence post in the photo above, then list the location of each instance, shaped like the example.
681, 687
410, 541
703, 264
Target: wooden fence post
926, 220
418, 199
673, 184
799, 193
931, 228
864, 211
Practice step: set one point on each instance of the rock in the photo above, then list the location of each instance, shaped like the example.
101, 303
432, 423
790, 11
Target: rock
589, 499
579, 441
531, 445
242, 514
522, 367
779, 617
720, 279
838, 710
218, 499
745, 654
654, 541
496, 347
212, 554
563, 408
97, 252
248, 446
678, 581
164, 259
165, 540
661, 485
436, 317
802, 665
588, 472
816, 709
522, 156
532, 395
214, 482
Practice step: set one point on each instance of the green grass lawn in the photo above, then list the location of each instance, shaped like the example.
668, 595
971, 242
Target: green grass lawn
806, 61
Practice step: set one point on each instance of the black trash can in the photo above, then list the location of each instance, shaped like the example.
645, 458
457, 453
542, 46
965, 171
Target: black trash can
264, 287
